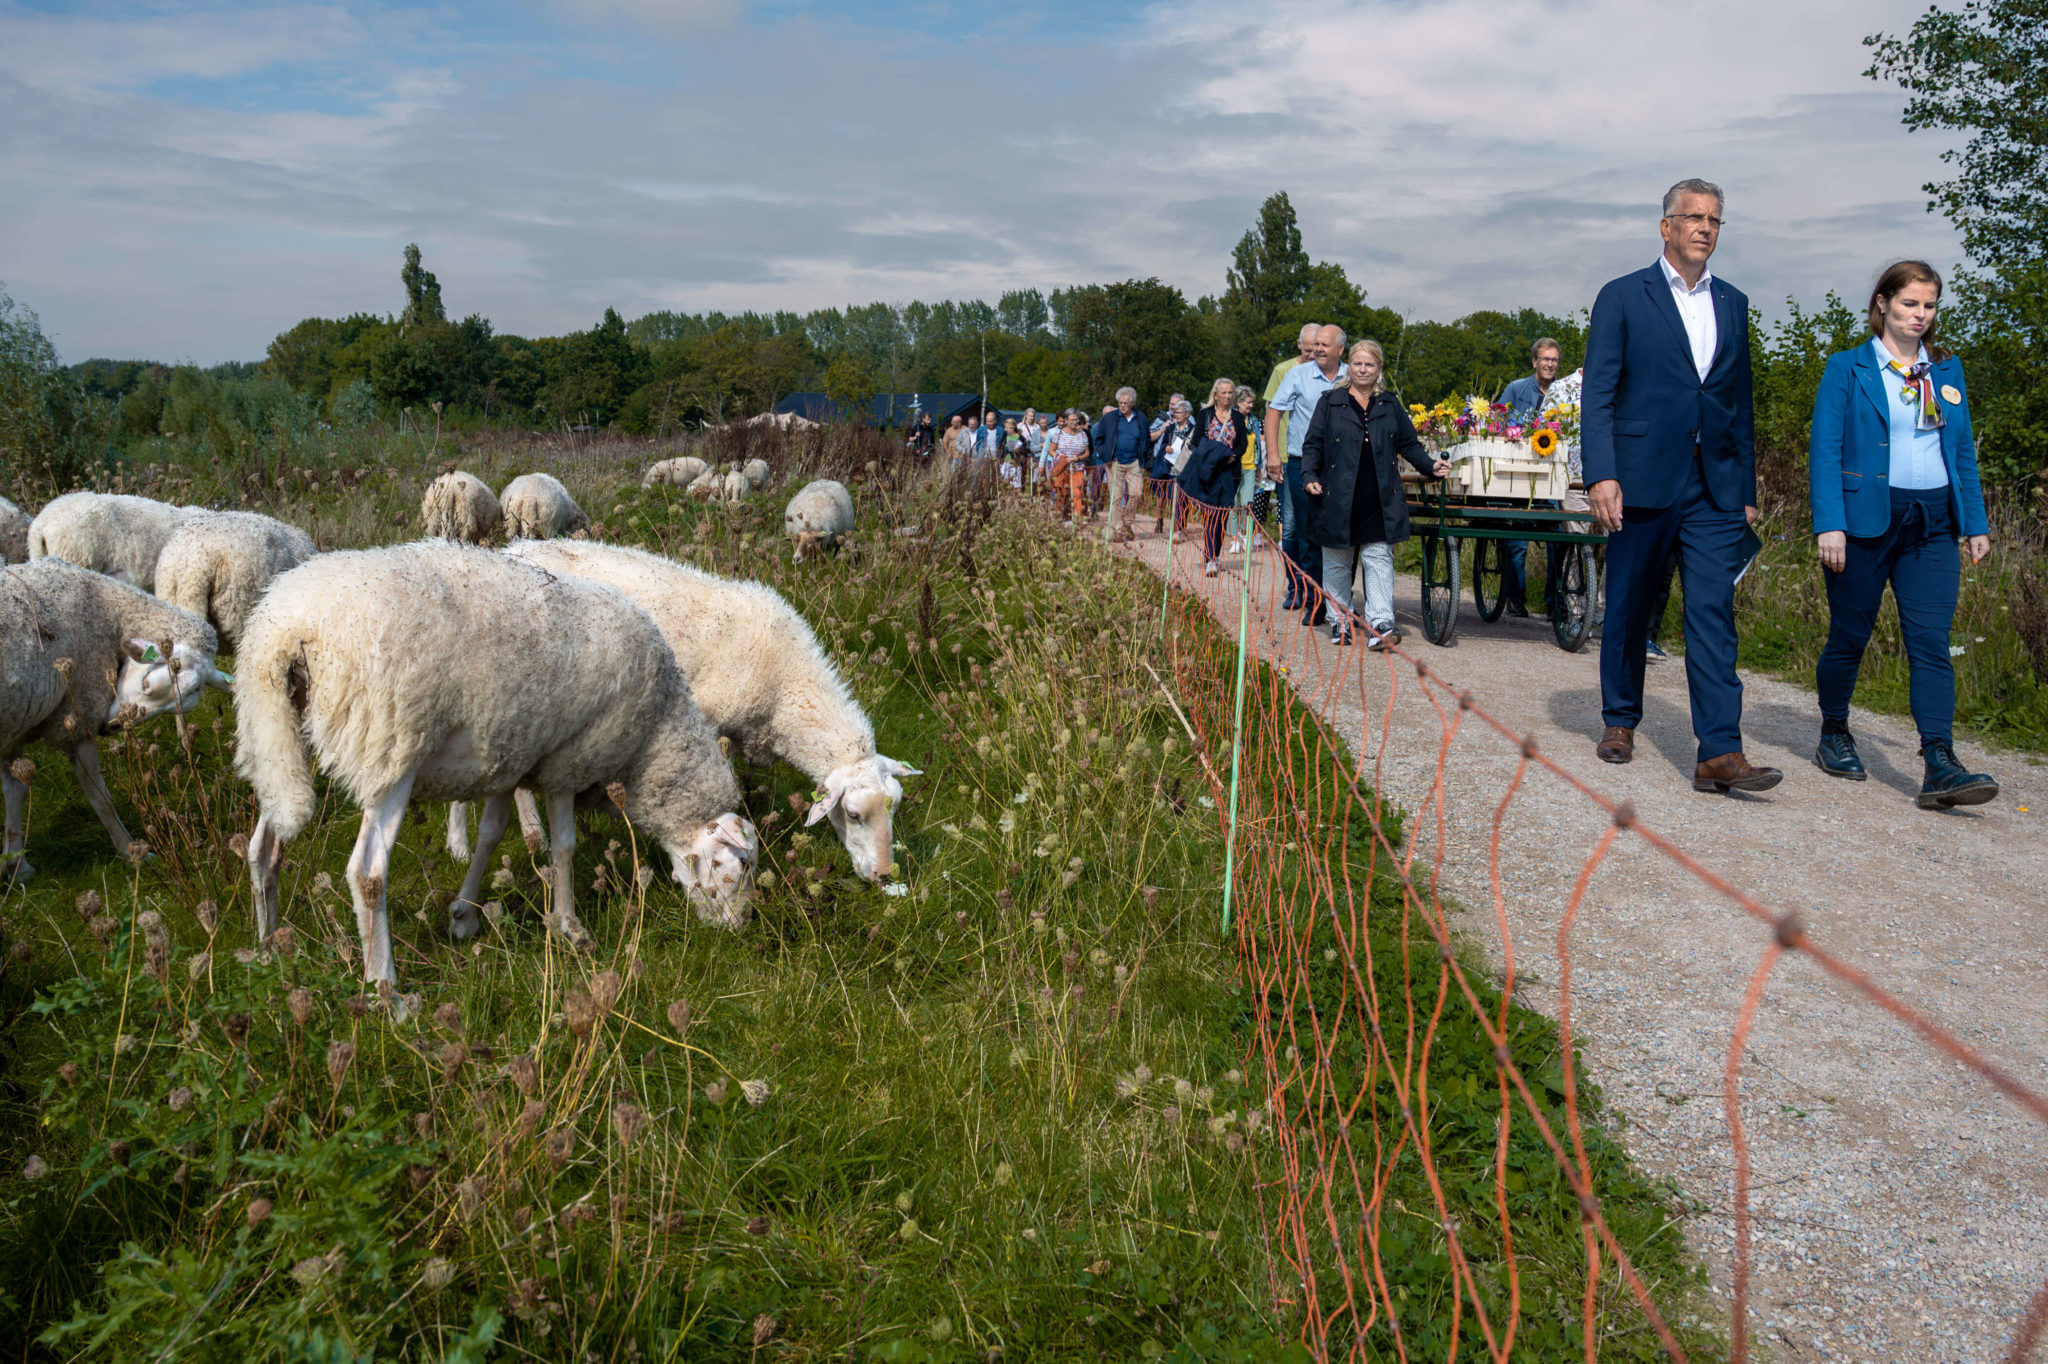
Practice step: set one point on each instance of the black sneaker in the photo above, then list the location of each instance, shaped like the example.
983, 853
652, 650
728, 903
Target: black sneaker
1947, 784
1315, 614
1340, 632
1836, 756
1515, 608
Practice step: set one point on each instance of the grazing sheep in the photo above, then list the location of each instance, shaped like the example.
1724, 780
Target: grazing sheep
758, 674
450, 673
819, 517
706, 485
110, 533
677, 473
756, 471
217, 564
13, 533
734, 487
538, 507
460, 506
79, 654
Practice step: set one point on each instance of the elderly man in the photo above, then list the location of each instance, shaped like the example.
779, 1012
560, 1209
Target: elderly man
1526, 398
1122, 440
1287, 414
1668, 423
988, 437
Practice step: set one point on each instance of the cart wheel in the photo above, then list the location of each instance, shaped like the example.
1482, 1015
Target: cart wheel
1439, 587
1489, 578
1571, 597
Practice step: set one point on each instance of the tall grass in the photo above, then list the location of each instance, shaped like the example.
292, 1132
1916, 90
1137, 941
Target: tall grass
1000, 1111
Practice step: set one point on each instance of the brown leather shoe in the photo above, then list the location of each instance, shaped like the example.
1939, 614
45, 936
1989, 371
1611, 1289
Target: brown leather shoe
1617, 744
1732, 772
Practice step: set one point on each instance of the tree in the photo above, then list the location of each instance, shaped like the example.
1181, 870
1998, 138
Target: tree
595, 372
47, 421
1142, 333
1980, 70
851, 384
422, 292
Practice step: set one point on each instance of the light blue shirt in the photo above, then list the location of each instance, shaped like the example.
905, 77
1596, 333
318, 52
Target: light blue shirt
1916, 454
1299, 393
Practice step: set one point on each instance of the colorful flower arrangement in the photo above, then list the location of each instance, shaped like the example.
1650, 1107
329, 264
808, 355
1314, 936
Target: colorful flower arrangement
1450, 423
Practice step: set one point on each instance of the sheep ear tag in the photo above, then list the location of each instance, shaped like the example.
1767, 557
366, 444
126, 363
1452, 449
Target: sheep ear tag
142, 651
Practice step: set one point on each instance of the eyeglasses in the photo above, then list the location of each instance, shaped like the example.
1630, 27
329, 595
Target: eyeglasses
1695, 219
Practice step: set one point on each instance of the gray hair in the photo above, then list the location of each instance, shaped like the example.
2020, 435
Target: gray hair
1684, 187
1127, 392
1544, 343
1309, 331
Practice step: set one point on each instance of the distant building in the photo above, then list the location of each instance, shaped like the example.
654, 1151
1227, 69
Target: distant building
892, 410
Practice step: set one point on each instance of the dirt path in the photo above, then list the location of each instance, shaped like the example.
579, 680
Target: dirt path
1902, 1205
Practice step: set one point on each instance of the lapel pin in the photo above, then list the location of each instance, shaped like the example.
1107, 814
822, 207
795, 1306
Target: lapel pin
1949, 394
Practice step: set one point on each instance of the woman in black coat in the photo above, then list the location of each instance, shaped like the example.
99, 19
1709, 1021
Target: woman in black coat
1210, 475
1356, 509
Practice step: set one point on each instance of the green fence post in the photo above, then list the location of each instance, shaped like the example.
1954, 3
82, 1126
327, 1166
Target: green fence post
1244, 610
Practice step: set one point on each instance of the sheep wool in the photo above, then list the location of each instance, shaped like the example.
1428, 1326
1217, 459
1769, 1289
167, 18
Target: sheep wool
69, 638
820, 516
111, 533
13, 533
680, 472
759, 675
446, 672
734, 487
217, 564
756, 471
538, 507
460, 506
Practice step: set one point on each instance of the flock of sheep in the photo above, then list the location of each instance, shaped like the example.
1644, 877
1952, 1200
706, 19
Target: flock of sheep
559, 668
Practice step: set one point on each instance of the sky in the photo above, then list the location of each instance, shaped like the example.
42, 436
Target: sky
183, 181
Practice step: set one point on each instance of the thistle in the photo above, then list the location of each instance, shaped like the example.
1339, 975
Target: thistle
453, 1056
679, 1016
448, 1018
756, 1091
156, 952
525, 1073
259, 1208
627, 1119
208, 915
605, 988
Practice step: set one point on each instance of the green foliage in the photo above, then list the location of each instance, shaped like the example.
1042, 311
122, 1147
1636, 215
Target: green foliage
422, 292
1142, 333
2004, 317
590, 380
849, 383
49, 424
1480, 353
1272, 290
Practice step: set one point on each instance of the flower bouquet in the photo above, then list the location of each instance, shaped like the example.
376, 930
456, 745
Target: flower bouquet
1501, 455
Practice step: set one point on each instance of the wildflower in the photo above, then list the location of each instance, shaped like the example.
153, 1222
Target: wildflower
561, 1144
941, 1330
1233, 1077
1957, 650
69, 1072
905, 1201
1143, 1073
494, 912
764, 1329
524, 1073
1171, 1113
452, 1057
1022, 797
156, 956
896, 888
315, 1270
756, 1091
1329, 954
1126, 1086
531, 1116
605, 987
1205, 1095
124, 1044
679, 1015
502, 879
448, 1018
766, 880
323, 884
1018, 1056
180, 1097
89, 905
340, 1056
237, 1028
908, 1231
35, 1168
259, 1208
715, 1092
1004, 1175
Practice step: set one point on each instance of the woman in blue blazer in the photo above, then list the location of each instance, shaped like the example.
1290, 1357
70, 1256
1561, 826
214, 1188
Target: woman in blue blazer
1894, 483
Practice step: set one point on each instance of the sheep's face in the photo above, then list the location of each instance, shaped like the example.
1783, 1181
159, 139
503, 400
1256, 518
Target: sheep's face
861, 800
150, 684
716, 870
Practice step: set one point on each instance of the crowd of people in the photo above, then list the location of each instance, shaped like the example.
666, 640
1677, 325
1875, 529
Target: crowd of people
1664, 463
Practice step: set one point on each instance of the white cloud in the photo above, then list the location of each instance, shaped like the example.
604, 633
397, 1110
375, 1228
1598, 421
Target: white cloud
663, 18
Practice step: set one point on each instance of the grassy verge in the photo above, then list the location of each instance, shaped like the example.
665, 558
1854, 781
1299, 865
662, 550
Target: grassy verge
1003, 1110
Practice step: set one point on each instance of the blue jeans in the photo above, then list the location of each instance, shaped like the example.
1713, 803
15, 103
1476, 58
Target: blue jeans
1917, 555
1305, 558
1515, 582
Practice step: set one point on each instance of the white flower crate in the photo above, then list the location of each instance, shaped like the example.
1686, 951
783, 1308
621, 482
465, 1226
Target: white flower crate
1507, 468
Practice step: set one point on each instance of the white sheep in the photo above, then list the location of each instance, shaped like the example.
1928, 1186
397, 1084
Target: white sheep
13, 533
451, 673
217, 564
538, 507
758, 674
820, 516
734, 487
680, 472
111, 533
756, 471
460, 506
79, 654
706, 485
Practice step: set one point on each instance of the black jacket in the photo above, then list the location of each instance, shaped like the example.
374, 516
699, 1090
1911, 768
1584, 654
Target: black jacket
1329, 456
1211, 473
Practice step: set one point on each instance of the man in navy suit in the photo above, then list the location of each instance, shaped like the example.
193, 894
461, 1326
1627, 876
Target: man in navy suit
1666, 427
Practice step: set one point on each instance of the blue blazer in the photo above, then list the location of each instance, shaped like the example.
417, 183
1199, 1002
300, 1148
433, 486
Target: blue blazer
1849, 453
1643, 406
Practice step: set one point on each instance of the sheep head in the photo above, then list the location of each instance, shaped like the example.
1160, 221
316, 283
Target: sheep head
861, 800
716, 870
150, 683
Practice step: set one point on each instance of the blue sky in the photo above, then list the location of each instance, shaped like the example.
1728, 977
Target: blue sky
184, 181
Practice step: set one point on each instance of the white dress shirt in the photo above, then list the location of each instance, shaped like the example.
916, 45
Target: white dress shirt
1696, 310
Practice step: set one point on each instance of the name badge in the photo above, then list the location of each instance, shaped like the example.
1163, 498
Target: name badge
1949, 394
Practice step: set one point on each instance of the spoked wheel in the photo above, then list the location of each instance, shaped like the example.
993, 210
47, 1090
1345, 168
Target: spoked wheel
1489, 578
1571, 596
1439, 587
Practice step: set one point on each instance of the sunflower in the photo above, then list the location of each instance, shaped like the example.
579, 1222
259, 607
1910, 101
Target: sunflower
1544, 443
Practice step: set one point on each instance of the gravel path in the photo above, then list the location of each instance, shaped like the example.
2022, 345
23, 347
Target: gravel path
1901, 1205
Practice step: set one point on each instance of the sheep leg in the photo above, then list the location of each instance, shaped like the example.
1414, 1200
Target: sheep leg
490, 828
85, 765
529, 820
17, 796
266, 860
367, 868
458, 830
562, 876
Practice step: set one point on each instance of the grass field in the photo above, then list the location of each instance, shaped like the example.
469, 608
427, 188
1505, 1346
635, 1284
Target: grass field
1001, 1113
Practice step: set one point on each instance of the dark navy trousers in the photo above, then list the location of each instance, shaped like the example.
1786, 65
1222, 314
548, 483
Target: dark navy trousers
1306, 558
1709, 545
1918, 557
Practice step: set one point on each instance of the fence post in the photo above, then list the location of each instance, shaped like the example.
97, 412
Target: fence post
1244, 609
1172, 535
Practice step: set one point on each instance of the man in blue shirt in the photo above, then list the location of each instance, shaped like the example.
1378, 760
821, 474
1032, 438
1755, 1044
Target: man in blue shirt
1525, 400
1122, 440
988, 437
1296, 400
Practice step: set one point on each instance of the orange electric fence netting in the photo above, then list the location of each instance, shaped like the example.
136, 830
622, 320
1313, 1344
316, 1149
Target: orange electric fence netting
1309, 841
